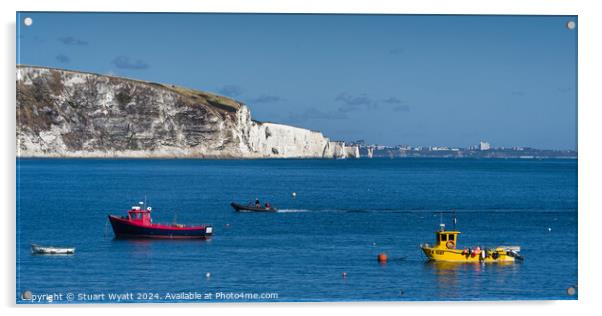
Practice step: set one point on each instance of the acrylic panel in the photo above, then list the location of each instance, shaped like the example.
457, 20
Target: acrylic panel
203, 158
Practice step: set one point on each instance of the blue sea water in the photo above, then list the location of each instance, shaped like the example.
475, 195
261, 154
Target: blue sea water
345, 213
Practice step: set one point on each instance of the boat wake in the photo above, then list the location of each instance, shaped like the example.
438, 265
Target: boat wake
292, 211
420, 212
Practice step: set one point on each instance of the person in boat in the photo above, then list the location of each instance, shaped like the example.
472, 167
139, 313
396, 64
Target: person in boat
267, 205
257, 203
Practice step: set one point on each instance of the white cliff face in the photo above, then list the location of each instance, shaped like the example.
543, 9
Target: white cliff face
277, 140
72, 114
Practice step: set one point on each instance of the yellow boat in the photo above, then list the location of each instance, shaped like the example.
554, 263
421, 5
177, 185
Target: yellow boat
445, 250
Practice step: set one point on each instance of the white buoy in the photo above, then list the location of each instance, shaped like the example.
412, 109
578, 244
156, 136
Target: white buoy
549, 229
294, 194
208, 275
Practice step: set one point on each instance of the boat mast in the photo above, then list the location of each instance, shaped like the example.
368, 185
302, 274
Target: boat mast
454, 220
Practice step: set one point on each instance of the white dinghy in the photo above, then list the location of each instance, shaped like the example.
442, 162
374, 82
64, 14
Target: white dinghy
42, 250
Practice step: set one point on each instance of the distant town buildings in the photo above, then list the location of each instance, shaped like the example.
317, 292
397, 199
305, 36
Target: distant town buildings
481, 150
439, 148
484, 145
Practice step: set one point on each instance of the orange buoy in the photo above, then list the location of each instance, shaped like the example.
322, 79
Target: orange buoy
382, 257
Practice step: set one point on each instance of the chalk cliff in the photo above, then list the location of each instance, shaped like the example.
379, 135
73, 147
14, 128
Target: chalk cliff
63, 113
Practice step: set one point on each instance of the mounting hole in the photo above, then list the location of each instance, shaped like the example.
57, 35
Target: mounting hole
571, 291
571, 25
26, 295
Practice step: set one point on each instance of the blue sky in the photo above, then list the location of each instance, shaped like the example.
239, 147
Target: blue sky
387, 79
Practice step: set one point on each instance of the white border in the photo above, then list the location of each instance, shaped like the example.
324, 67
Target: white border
590, 52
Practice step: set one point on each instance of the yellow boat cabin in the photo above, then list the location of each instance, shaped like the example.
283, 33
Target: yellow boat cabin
445, 249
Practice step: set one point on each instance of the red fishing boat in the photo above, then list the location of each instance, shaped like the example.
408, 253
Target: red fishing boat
139, 224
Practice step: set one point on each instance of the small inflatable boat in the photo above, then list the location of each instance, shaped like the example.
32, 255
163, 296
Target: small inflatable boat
251, 208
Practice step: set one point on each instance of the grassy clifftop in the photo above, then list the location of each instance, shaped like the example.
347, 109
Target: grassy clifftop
193, 96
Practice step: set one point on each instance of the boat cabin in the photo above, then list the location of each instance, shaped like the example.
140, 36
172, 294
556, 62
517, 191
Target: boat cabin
446, 238
139, 214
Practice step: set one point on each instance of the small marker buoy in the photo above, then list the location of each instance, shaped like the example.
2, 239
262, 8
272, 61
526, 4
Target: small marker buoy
373, 244
344, 275
382, 257
549, 229
208, 274
294, 194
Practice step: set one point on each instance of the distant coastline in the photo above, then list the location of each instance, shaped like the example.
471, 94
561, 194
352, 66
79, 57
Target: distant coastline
482, 151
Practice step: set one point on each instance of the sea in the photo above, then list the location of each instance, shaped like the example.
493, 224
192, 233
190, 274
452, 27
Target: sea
334, 218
